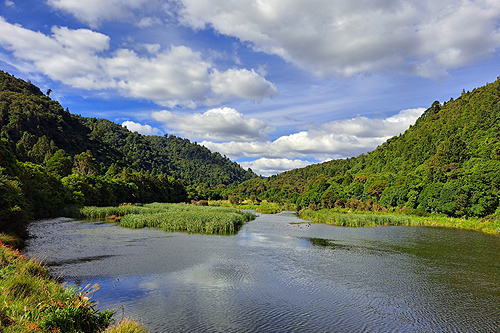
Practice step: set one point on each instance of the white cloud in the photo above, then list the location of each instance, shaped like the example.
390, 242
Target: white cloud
149, 22
142, 129
337, 139
363, 127
224, 124
241, 83
93, 12
176, 76
272, 166
348, 37
9, 3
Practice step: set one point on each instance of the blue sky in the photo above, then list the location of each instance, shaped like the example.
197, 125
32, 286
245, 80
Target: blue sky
273, 85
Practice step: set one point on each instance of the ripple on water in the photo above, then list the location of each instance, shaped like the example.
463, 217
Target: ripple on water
276, 276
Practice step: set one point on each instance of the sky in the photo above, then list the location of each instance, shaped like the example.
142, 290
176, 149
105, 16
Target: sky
271, 84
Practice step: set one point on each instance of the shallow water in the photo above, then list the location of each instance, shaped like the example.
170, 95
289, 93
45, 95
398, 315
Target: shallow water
280, 275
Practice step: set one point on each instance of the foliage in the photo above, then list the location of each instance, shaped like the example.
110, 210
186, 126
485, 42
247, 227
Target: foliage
31, 301
127, 326
263, 207
175, 217
344, 217
447, 163
50, 158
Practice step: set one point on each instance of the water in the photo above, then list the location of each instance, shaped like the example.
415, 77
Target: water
279, 274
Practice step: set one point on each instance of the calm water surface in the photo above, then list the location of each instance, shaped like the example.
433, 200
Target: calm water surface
279, 276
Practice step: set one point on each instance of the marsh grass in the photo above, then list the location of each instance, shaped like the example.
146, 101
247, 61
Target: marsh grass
127, 326
192, 219
263, 207
175, 217
31, 301
347, 218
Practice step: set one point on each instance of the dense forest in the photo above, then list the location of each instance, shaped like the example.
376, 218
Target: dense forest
51, 159
447, 163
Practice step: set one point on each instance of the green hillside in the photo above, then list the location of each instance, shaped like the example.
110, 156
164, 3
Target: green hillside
50, 158
448, 162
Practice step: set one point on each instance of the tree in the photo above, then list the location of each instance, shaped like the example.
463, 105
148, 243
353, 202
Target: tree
85, 164
59, 164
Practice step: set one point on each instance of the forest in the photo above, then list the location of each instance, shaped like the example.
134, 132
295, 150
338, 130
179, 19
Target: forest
51, 159
447, 163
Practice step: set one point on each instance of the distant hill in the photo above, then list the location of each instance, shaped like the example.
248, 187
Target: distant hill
50, 159
27, 115
448, 162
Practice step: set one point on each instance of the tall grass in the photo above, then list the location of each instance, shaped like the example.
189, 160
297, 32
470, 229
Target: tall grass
192, 219
354, 219
31, 301
490, 225
263, 207
175, 217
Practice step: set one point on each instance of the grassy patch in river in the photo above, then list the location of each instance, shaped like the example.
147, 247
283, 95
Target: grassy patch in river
344, 217
175, 217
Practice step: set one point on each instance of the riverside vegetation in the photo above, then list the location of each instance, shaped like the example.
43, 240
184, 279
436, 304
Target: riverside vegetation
444, 170
32, 301
174, 217
447, 164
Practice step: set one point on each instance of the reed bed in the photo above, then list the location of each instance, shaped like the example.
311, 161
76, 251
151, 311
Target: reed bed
263, 207
175, 217
490, 225
208, 222
92, 212
354, 219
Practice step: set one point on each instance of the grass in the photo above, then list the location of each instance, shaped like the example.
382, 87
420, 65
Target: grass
343, 217
11, 240
127, 326
32, 301
175, 217
263, 207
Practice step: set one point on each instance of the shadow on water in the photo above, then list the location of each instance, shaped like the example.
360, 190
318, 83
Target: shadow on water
77, 261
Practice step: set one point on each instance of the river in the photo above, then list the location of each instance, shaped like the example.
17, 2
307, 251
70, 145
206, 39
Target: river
282, 274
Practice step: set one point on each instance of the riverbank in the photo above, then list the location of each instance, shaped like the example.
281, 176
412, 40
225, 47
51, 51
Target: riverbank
32, 301
348, 218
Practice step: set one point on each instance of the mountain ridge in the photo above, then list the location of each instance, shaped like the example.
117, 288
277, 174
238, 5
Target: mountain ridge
448, 162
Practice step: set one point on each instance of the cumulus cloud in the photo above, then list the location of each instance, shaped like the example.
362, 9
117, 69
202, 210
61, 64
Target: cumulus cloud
9, 3
172, 77
272, 166
225, 124
336, 139
241, 83
93, 12
142, 129
348, 37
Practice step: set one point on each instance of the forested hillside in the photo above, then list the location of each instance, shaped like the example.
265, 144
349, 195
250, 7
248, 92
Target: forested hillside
448, 162
50, 158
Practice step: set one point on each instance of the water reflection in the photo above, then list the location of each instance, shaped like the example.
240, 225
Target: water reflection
280, 273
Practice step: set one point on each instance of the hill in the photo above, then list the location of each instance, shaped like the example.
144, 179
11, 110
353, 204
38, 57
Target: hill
28, 117
447, 163
50, 158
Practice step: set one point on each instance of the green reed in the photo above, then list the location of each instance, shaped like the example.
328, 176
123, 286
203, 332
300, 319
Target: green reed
195, 221
354, 219
341, 217
263, 207
175, 217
